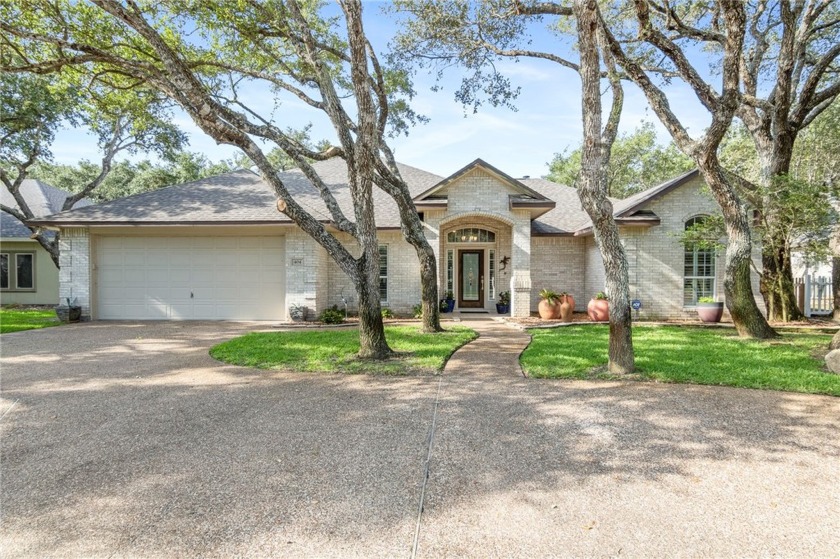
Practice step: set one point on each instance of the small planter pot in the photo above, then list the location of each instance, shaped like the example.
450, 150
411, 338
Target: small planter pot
547, 311
567, 307
502, 309
68, 314
297, 313
598, 310
450, 305
710, 312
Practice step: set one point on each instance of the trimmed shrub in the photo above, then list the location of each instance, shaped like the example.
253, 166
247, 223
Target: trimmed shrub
332, 315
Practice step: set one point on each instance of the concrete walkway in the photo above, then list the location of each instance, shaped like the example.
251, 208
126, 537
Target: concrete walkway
495, 352
128, 440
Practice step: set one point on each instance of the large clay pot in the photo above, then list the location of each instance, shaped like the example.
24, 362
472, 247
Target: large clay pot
547, 311
598, 310
710, 312
567, 307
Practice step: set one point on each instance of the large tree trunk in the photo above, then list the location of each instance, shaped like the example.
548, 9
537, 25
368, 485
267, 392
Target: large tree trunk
372, 342
412, 229
777, 285
835, 341
737, 284
592, 191
428, 290
777, 289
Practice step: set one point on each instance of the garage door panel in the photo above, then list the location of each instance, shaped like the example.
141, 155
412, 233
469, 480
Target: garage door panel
205, 311
154, 278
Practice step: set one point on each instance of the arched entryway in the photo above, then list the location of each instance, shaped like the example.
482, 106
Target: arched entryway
475, 257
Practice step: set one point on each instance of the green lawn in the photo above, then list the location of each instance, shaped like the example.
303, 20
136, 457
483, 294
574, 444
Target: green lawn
688, 355
18, 319
334, 351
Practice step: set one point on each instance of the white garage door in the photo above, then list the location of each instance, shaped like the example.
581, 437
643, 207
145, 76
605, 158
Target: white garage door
186, 278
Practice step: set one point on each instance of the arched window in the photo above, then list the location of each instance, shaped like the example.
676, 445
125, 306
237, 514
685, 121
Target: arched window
471, 235
699, 275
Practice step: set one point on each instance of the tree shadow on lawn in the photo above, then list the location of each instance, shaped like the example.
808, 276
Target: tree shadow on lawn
155, 449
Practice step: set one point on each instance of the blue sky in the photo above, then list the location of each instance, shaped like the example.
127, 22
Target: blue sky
519, 143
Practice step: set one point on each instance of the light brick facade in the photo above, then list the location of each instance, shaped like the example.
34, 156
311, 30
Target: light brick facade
74, 276
477, 199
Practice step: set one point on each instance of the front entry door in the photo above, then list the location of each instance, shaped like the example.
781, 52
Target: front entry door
471, 279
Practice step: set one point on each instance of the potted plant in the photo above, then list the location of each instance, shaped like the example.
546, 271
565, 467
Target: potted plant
297, 312
709, 310
567, 306
549, 306
71, 313
598, 308
450, 302
503, 302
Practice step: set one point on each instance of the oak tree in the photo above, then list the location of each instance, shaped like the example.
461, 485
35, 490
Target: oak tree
203, 54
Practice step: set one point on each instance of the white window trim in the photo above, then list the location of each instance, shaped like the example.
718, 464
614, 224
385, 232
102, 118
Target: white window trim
450, 271
385, 277
695, 251
491, 273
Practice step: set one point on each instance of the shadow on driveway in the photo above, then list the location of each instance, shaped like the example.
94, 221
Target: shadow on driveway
128, 439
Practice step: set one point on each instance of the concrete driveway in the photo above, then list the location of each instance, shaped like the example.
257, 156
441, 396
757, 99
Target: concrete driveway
128, 440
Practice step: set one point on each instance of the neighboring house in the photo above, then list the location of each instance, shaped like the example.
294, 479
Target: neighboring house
218, 248
28, 275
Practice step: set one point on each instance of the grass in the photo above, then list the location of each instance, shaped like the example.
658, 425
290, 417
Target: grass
334, 351
19, 319
688, 355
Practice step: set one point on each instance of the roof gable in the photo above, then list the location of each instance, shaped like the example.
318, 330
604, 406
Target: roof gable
628, 206
517, 186
42, 200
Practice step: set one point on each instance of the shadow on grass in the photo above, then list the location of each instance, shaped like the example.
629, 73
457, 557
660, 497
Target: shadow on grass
688, 355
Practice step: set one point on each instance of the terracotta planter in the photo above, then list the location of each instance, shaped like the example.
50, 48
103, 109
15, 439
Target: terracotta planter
549, 312
567, 307
710, 312
598, 310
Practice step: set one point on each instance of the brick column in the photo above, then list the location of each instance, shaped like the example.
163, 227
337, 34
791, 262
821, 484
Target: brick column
303, 264
520, 282
74, 275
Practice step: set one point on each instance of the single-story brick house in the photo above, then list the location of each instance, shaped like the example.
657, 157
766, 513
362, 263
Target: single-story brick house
28, 275
218, 248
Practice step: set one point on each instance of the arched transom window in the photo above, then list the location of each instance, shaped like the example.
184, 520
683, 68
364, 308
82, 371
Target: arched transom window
471, 235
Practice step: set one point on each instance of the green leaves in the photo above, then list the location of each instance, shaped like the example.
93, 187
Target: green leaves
637, 163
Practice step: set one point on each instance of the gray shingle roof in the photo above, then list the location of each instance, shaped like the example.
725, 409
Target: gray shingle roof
41, 198
242, 197
567, 214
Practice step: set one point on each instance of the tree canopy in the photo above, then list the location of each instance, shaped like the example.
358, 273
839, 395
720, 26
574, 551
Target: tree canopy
204, 55
638, 162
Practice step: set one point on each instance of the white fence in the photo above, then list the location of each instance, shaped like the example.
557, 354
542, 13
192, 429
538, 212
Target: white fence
814, 295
